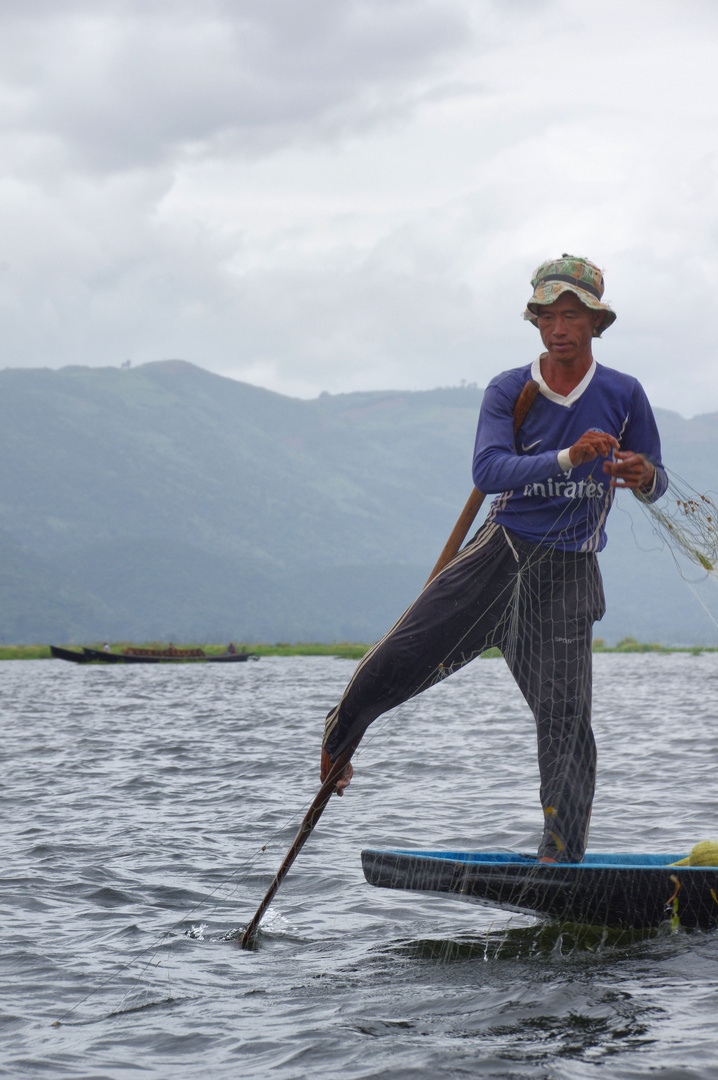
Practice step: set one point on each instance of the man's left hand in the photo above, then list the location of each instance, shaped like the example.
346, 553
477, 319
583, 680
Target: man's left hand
629, 470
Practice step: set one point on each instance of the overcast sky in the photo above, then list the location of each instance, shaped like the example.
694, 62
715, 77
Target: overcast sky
352, 194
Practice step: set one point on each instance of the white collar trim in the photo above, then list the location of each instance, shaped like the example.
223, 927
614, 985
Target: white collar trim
575, 394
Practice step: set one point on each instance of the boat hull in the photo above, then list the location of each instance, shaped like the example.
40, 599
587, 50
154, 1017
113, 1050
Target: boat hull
100, 656
68, 654
617, 891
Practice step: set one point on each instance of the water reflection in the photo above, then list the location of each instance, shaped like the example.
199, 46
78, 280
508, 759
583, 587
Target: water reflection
523, 943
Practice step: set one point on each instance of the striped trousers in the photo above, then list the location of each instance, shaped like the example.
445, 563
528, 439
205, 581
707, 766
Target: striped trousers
537, 605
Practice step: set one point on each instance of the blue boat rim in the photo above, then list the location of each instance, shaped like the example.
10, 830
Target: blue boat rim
627, 860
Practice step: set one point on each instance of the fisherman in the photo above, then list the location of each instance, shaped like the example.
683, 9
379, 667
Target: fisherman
528, 582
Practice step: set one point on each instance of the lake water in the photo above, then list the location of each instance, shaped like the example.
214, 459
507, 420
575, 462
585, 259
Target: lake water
139, 801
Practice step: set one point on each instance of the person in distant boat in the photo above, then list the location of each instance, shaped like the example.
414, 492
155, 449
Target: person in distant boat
231, 651
106, 647
528, 582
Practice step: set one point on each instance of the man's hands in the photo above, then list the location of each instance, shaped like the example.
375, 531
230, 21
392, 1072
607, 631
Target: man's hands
345, 778
629, 470
626, 469
592, 445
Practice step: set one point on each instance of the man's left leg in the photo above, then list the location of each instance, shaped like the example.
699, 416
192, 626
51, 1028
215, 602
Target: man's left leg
562, 595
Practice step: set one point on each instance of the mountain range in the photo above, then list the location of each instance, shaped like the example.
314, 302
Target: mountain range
165, 502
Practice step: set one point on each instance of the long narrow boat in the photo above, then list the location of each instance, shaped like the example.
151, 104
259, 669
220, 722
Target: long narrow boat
146, 656
68, 654
613, 890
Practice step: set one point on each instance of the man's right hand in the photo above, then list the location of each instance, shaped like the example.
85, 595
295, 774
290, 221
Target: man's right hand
591, 445
345, 778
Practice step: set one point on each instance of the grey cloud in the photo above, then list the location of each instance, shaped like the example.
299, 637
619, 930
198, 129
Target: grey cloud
180, 185
124, 85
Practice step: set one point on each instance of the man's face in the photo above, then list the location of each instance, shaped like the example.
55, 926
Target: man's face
566, 328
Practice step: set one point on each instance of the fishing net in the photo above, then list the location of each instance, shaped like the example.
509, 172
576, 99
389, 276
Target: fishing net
687, 520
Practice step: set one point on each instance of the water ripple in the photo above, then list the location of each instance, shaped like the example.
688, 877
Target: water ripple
146, 810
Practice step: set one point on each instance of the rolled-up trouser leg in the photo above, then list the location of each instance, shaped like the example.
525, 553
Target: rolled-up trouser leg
458, 615
560, 596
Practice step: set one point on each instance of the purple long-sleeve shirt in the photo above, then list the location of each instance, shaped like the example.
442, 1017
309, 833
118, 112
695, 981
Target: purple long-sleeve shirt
538, 500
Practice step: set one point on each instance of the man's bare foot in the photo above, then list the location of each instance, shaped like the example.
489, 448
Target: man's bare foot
547, 858
343, 781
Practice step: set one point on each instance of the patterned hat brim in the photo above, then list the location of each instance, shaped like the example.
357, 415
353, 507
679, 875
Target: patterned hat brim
547, 292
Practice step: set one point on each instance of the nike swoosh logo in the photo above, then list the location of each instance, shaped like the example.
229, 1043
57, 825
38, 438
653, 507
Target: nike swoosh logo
530, 446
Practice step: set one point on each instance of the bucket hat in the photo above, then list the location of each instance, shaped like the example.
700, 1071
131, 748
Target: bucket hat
570, 273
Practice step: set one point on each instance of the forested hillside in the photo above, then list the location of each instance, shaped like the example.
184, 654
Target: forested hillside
167, 502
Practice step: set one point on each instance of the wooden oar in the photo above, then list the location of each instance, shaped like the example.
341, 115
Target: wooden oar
523, 403
312, 817
466, 518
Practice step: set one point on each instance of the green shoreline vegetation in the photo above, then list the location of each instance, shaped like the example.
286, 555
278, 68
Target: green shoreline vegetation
345, 650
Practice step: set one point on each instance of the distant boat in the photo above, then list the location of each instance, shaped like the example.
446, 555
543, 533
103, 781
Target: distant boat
149, 656
68, 654
618, 891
